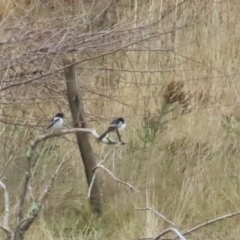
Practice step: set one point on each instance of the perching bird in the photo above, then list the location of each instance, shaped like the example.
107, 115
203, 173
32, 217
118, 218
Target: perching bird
118, 125
56, 122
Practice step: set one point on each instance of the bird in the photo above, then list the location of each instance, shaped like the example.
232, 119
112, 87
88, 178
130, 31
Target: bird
117, 124
56, 122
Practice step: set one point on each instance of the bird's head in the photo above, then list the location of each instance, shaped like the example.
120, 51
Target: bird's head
61, 115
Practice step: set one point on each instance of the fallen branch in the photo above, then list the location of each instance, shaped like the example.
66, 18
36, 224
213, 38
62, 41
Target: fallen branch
157, 213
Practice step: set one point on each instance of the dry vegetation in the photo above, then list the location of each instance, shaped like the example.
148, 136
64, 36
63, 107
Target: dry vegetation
170, 69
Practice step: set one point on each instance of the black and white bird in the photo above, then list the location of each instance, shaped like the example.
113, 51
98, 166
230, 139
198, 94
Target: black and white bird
116, 125
56, 122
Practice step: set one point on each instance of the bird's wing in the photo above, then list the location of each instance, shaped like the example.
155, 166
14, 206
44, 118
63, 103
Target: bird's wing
102, 136
53, 121
113, 124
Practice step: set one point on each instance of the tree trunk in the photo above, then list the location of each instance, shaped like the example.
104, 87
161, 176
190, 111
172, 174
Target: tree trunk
76, 107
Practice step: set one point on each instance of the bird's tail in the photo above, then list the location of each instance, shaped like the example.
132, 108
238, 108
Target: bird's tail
102, 136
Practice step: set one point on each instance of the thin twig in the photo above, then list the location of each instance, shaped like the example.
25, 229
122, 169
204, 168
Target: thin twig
25, 185
93, 179
157, 213
91, 185
124, 47
31, 193
5, 168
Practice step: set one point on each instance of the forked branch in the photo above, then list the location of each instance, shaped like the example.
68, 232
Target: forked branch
36, 206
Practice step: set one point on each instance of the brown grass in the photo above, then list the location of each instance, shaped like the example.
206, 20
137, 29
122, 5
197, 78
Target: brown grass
179, 94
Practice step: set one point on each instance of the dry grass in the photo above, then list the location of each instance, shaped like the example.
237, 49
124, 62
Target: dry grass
181, 104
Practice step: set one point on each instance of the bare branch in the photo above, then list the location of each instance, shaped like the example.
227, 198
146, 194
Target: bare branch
90, 187
31, 149
157, 213
114, 177
68, 131
31, 193
26, 223
109, 52
6, 166
210, 222
170, 230
5, 226
93, 179
194, 228
24, 190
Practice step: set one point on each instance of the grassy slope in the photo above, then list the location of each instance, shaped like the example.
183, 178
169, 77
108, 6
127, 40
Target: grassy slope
188, 172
